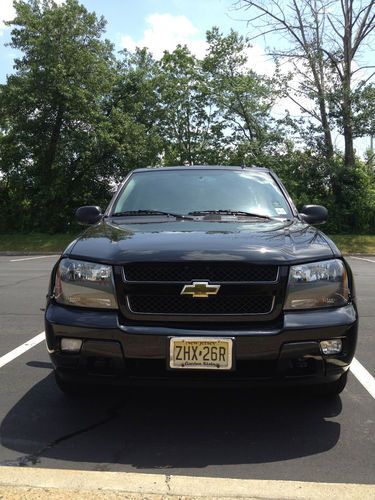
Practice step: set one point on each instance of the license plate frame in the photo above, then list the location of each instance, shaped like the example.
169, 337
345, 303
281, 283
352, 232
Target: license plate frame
200, 363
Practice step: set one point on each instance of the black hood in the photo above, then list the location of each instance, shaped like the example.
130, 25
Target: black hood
159, 239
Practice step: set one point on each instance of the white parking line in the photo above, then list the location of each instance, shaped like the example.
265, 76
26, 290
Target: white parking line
361, 258
363, 376
33, 258
7, 358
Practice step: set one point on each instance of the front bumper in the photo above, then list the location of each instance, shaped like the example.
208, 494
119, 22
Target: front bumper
286, 354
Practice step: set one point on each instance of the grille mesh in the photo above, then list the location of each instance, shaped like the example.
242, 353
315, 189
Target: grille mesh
170, 304
210, 271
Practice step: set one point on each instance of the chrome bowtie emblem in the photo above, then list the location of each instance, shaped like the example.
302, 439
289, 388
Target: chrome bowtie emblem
200, 289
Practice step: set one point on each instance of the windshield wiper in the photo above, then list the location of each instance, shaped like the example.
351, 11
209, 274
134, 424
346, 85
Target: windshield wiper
150, 212
230, 212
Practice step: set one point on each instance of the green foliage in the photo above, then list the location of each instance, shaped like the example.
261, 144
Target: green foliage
188, 116
364, 111
243, 97
134, 111
353, 203
348, 194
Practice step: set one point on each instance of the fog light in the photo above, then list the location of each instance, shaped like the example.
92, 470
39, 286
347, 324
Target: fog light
71, 345
331, 346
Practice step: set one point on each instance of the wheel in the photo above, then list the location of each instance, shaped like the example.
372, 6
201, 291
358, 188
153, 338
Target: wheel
333, 388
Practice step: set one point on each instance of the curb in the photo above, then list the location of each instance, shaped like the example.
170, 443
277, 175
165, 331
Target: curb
41, 484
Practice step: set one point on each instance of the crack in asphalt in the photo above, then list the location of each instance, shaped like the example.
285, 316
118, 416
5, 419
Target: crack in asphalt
167, 482
34, 458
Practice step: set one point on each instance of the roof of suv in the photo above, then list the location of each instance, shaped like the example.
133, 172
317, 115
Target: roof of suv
202, 167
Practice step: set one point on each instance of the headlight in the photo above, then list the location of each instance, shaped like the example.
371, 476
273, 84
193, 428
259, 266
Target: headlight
319, 284
85, 284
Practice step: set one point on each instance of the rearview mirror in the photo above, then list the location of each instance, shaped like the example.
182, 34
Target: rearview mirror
88, 215
314, 214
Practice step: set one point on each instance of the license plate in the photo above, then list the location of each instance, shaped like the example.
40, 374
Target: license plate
200, 353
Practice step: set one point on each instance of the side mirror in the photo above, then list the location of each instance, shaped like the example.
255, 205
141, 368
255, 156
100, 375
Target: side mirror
314, 214
88, 215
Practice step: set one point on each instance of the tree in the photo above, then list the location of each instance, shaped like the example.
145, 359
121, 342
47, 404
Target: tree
326, 38
244, 98
134, 107
363, 103
52, 151
188, 116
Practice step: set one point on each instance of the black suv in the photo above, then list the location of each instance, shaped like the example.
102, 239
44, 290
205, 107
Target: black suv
201, 275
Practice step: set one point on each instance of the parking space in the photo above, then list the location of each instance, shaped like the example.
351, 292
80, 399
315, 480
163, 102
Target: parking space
238, 434
364, 274
23, 287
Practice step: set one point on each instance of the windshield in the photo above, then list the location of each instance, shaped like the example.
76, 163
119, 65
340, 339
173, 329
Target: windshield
186, 191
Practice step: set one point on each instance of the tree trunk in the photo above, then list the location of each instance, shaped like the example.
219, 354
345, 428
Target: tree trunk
349, 158
346, 85
52, 146
328, 145
47, 181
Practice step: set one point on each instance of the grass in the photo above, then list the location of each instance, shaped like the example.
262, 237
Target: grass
35, 242
40, 242
355, 243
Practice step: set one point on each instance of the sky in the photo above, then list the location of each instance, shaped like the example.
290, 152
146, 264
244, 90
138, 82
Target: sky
161, 25
158, 24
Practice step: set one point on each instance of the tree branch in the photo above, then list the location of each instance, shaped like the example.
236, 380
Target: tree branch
305, 110
365, 28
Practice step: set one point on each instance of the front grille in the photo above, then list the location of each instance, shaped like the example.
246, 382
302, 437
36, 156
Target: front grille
210, 271
179, 305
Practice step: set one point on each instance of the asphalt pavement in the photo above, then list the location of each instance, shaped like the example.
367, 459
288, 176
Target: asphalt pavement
228, 434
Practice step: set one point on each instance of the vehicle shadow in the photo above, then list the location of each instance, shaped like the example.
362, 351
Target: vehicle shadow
153, 429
